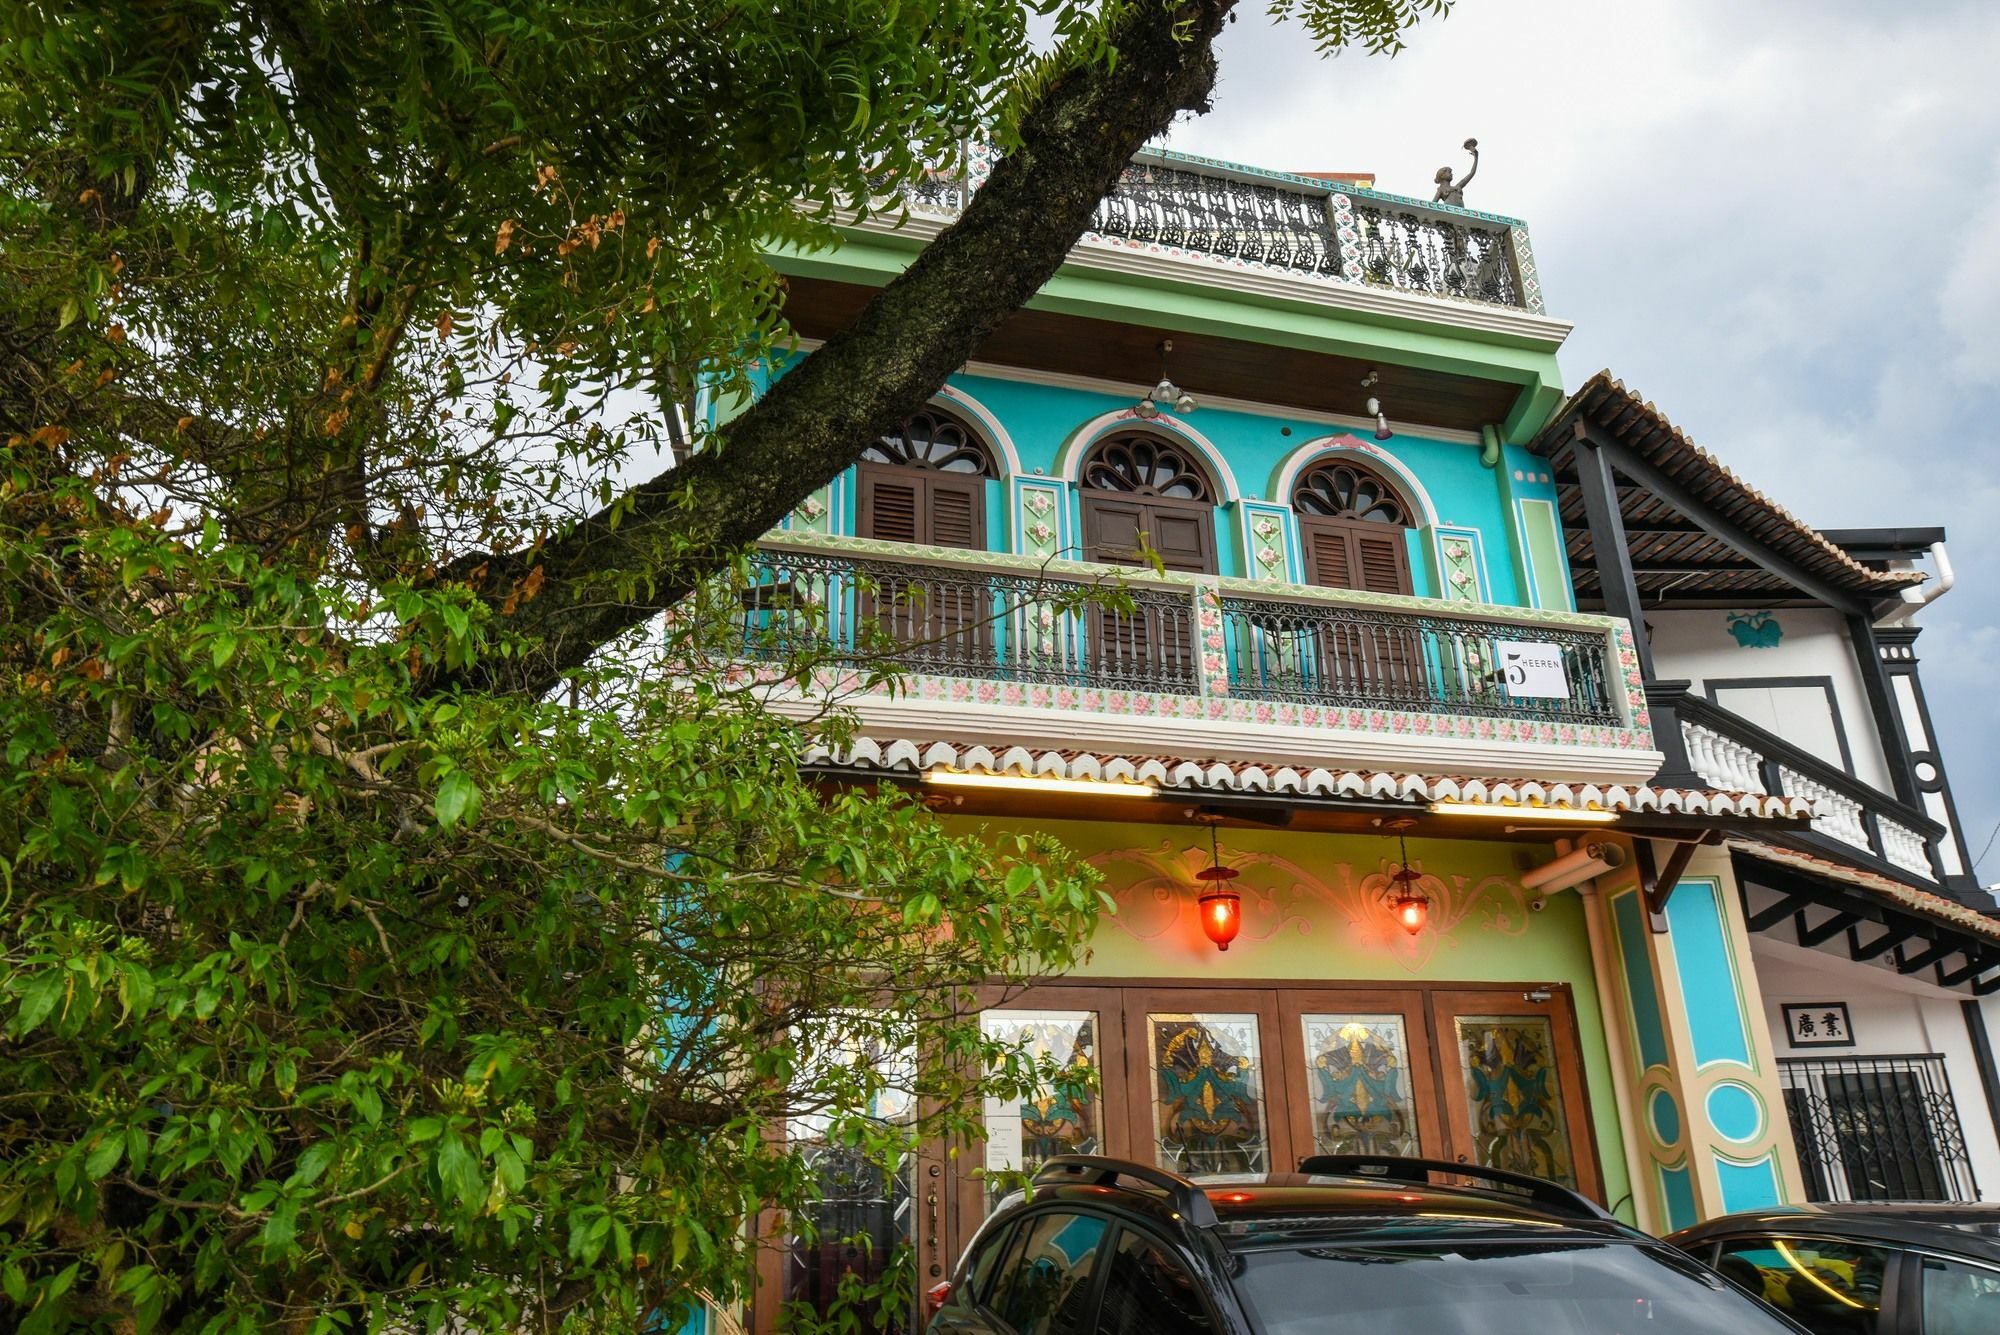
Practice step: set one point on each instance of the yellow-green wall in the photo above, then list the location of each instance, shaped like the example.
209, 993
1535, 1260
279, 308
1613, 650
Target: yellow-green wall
1312, 910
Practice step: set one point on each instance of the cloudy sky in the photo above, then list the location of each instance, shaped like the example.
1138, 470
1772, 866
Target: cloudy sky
1778, 221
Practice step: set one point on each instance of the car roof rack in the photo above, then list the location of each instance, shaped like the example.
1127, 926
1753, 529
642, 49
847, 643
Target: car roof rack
1096, 1170
1397, 1168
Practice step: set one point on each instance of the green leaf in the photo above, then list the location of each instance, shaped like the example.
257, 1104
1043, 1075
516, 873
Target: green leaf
458, 1170
104, 1157
458, 798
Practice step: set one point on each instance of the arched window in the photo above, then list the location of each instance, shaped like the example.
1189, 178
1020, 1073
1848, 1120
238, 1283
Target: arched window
1144, 465
1351, 527
1146, 493
1137, 483
925, 483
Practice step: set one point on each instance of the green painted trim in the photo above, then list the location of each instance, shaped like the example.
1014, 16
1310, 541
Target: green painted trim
1548, 563
1649, 1033
1533, 409
1184, 302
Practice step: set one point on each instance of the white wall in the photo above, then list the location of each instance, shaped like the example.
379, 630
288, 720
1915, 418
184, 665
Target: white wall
1698, 646
1893, 1017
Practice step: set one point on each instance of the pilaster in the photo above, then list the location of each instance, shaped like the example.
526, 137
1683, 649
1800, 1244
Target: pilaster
1703, 1106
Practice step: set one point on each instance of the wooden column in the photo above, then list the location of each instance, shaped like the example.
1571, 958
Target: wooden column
1607, 539
1621, 599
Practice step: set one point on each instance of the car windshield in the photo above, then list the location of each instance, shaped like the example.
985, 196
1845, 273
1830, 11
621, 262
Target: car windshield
1516, 1288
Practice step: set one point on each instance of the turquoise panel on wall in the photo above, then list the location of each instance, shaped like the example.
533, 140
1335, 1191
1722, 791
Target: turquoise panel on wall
1665, 1115
1652, 1034
1707, 975
1747, 1186
1677, 1191
1251, 448
1734, 1111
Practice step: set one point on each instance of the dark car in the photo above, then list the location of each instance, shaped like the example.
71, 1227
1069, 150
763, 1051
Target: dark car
1360, 1243
1864, 1269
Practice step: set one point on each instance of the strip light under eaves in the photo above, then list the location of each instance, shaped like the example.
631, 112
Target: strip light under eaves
1036, 783
1503, 810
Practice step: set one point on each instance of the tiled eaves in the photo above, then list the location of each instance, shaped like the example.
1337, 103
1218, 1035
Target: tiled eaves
1910, 897
1633, 419
914, 757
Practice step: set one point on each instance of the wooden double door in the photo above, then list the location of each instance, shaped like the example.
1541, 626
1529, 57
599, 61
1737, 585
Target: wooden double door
1251, 1080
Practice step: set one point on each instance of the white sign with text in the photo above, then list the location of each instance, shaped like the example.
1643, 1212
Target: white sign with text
1532, 669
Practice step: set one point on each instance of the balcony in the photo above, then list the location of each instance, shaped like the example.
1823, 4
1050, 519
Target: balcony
1176, 204
1733, 753
989, 646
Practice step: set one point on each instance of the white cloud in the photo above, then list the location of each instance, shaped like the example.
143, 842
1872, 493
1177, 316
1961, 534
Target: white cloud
1780, 222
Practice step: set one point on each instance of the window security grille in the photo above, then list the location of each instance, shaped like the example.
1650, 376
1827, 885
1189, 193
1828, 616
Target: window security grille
1876, 1129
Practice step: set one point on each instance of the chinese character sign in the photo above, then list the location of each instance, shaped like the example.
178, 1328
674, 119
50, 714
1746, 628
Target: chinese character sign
1818, 1024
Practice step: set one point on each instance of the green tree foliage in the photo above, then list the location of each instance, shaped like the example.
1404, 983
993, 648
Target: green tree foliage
401, 925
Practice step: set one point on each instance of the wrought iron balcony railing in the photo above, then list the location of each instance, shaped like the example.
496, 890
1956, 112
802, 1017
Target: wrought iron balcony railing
977, 616
1295, 224
1734, 753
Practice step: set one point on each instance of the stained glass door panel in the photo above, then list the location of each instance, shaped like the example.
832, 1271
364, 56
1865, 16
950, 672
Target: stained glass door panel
1063, 1113
1077, 1035
1208, 1092
1513, 1077
1357, 1078
1359, 1070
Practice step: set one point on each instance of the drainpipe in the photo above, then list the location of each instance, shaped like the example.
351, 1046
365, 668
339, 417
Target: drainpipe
1611, 1004
1489, 447
1923, 595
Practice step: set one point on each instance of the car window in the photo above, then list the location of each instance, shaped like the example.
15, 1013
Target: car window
1553, 1287
1833, 1287
1960, 1299
1044, 1287
979, 1272
1148, 1292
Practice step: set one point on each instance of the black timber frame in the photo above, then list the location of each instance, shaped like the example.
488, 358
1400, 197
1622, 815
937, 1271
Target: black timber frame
1601, 459
1820, 910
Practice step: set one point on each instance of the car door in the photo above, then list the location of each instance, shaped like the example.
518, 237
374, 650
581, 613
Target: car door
1831, 1286
1042, 1280
1949, 1295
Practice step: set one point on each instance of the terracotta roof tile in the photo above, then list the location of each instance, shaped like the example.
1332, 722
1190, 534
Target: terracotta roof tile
1606, 402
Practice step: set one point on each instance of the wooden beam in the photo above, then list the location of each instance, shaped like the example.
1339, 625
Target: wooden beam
1765, 919
1661, 888
1613, 452
1891, 938
1832, 927
1976, 962
1924, 959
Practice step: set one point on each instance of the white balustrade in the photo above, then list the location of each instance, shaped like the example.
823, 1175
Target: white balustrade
1904, 846
1723, 761
1840, 816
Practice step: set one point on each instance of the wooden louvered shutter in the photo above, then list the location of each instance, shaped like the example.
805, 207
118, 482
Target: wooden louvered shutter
891, 506
957, 511
1382, 560
1329, 557
1380, 659
959, 608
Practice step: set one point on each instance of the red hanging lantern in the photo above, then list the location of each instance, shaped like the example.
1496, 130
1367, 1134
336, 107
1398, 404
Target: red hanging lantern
1410, 906
1221, 907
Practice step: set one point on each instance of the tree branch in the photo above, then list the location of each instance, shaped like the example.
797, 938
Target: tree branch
634, 558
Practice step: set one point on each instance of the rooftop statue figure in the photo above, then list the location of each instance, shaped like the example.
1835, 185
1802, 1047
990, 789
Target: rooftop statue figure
1453, 192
